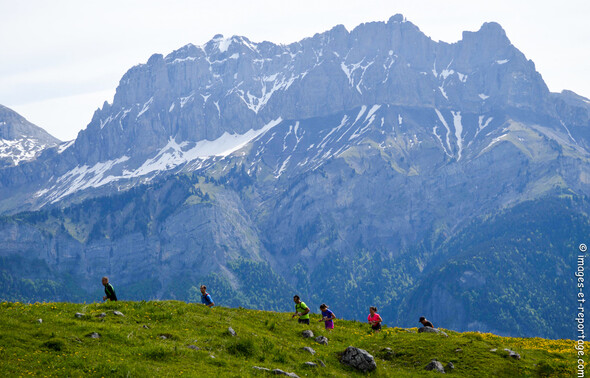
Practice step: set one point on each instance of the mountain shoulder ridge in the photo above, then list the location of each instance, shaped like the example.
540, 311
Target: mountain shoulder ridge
171, 338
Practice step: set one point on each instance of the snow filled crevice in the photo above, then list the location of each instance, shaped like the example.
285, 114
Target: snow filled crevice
458, 131
350, 69
343, 122
268, 86
145, 108
442, 120
568, 131
440, 140
481, 125
494, 141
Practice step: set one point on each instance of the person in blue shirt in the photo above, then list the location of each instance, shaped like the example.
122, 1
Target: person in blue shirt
206, 297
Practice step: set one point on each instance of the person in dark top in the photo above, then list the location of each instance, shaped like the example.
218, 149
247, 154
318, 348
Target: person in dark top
109, 290
206, 297
425, 322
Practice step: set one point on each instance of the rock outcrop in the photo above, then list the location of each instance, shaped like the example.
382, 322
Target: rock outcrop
359, 359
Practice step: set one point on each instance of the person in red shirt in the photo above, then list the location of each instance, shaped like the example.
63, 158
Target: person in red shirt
374, 319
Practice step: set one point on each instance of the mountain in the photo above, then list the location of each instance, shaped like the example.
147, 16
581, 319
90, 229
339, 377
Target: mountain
228, 89
355, 168
20, 140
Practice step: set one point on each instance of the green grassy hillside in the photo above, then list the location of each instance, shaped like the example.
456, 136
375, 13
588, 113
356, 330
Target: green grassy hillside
152, 339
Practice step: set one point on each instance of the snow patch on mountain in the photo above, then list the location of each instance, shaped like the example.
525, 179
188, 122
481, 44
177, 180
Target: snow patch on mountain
169, 157
80, 178
20, 150
494, 141
64, 146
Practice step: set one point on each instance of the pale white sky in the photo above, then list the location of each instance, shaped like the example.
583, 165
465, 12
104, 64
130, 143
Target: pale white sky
62, 59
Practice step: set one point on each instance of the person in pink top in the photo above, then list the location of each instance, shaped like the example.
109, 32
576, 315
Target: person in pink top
374, 319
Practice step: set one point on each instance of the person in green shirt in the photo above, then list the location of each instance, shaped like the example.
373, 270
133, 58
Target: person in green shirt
301, 310
109, 290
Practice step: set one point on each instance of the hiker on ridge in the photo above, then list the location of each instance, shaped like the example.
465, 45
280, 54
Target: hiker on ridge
374, 319
327, 317
301, 310
109, 290
425, 322
206, 297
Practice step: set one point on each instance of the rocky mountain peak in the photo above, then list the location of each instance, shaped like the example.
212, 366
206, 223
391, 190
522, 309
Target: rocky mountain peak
493, 30
14, 126
396, 18
20, 140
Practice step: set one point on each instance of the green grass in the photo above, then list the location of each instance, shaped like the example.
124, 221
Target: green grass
59, 346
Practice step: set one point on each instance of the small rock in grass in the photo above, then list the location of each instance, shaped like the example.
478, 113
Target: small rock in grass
279, 371
435, 365
193, 347
493, 350
431, 330
93, 335
231, 331
512, 354
79, 315
388, 354
101, 315
322, 364
307, 333
458, 350
260, 368
308, 349
310, 364
321, 340
118, 313
39, 321
450, 366
146, 327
